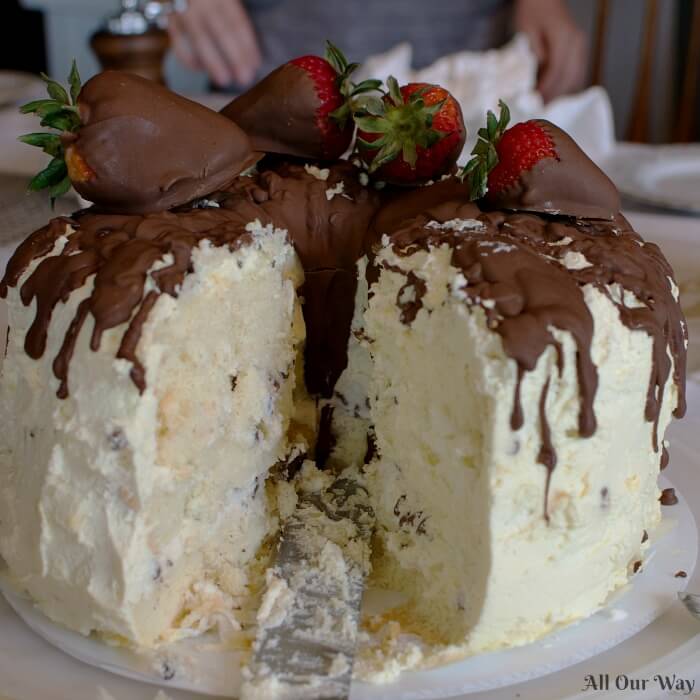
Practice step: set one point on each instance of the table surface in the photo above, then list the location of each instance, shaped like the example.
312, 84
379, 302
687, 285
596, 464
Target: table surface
670, 645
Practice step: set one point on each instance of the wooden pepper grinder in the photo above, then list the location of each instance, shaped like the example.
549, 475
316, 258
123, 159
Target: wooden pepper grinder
135, 40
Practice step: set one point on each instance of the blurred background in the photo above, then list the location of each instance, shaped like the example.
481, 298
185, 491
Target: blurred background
633, 46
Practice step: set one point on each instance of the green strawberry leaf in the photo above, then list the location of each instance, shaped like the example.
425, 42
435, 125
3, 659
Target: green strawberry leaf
49, 143
394, 90
418, 94
335, 57
366, 86
40, 107
481, 148
504, 117
388, 152
370, 145
477, 170
491, 125
373, 125
430, 138
491, 159
409, 154
52, 175
48, 110
74, 82
470, 166
55, 90
433, 109
477, 178
373, 105
63, 120
60, 112
341, 115
60, 189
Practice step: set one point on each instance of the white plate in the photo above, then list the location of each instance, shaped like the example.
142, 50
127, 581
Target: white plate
200, 665
660, 176
16, 87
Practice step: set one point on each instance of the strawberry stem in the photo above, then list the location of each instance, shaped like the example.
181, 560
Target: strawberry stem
402, 124
351, 91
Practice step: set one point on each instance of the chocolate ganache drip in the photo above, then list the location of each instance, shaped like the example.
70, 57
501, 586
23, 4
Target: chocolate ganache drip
515, 269
119, 252
326, 213
524, 295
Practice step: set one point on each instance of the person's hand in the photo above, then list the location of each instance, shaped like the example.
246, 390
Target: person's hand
560, 46
216, 36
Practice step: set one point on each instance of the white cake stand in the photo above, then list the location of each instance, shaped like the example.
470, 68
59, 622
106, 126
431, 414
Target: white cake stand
202, 665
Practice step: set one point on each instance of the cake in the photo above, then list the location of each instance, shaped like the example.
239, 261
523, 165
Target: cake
501, 371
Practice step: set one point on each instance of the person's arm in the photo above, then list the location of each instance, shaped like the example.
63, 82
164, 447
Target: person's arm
559, 44
217, 36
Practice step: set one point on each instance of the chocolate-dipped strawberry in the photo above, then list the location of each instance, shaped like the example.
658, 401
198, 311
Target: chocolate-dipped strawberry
536, 166
303, 108
133, 146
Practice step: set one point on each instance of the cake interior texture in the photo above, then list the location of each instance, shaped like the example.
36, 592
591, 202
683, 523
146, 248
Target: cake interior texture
504, 381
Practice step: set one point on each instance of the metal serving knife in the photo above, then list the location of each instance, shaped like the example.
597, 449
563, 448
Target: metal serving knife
308, 654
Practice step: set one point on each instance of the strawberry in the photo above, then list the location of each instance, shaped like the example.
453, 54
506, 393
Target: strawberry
521, 147
131, 145
303, 108
330, 76
415, 133
502, 156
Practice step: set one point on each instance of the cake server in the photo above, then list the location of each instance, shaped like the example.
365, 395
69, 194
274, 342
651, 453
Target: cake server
309, 617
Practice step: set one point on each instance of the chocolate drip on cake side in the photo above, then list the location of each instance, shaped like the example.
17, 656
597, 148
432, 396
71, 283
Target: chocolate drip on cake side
327, 213
521, 293
328, 230
515, 269
547, 455
119, 252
